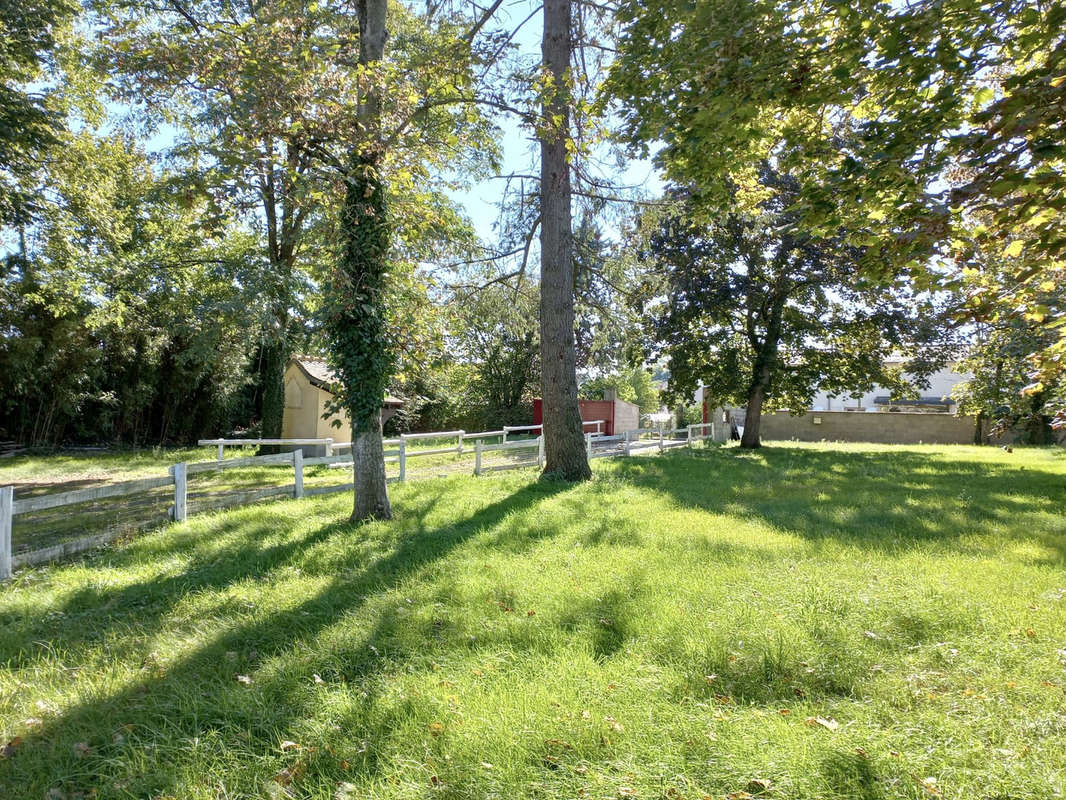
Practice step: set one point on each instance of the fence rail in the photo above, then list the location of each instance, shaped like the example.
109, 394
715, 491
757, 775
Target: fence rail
509, 455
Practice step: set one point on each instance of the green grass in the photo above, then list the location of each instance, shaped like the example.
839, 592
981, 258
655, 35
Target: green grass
663, 631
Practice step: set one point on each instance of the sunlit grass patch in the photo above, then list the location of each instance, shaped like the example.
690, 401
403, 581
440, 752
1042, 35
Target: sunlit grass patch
801, 622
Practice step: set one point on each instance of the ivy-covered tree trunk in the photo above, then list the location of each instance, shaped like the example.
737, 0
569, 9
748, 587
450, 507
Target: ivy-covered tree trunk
355, 298
274, 356
564, 444
358, 335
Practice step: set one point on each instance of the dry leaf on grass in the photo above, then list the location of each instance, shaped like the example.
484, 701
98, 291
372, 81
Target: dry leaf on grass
829, 724
10, 748
243, 679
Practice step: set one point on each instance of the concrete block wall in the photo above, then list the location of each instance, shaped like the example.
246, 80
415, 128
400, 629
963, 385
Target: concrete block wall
881, 427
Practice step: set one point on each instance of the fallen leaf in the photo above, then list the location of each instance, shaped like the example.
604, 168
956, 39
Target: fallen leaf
627, 791
317, 679
759, 785
243, 679
929, 785
82, 749
738, 796
288, 745
784, 712
11, 747
290, 774
531, 613
828, 724
436, 728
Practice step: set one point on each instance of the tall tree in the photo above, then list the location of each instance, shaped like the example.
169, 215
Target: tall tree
564, 447
872, 105
356, 315
764, 314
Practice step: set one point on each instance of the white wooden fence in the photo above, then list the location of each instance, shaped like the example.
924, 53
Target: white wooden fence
597, 446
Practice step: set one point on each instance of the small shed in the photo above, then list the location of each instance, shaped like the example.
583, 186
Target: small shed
308, 392
618, 416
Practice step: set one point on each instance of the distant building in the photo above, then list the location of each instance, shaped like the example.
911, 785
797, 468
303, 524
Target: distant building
936, 398
617, 416
308, 392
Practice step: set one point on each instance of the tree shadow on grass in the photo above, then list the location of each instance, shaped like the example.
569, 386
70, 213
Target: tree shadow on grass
883, 500
197, 697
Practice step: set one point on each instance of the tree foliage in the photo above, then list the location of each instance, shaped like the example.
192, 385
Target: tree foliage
902, 122
29, 121
127, 318
764, 316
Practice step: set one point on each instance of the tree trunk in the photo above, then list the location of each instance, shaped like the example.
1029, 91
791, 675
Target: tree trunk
274, 356
564, 445
753, 416
979, 428
368, 475
355, 297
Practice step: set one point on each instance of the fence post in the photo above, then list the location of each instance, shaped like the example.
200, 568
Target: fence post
660, 440
461, 435
627, 441
403, 458
181, 491
329, 446
504, 440
221, 452
298, 472
588, 445
7, 514
477, 457
540, 449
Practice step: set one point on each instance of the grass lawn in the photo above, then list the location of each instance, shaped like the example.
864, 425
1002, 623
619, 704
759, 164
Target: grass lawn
799, 622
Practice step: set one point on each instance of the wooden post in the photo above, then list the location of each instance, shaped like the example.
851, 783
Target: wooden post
540, 449
181, 491
298, 472
7, 514
329, 446
588, 445
459, 449
477, 458
403, 458
221, 452
504, 440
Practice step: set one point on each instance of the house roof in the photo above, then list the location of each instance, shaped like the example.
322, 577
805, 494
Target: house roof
319, 374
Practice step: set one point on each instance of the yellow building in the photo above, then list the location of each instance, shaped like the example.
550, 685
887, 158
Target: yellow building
307, 397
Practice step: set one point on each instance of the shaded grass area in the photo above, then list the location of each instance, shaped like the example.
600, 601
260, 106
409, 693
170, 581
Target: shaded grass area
36, 475
674, 628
